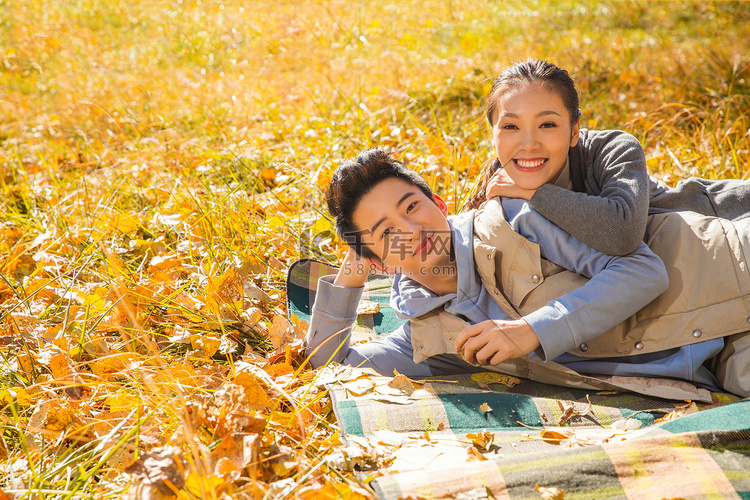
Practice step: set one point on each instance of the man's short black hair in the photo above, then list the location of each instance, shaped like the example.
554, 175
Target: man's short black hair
353, 179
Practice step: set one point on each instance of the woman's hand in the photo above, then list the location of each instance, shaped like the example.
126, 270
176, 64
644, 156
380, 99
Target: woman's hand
493, 341
502, 185
355, 269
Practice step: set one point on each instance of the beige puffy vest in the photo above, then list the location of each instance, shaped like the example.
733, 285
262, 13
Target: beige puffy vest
709, 283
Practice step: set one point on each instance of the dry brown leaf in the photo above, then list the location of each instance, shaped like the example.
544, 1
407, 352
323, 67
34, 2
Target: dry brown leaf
495, 378
330, 491
550, 493
680, 411
482, 440
555, 437
281, 332
568, 410
359, 387
160, 468
368, 307
205, 344
225, 290
402, 383
256, 397
473, 455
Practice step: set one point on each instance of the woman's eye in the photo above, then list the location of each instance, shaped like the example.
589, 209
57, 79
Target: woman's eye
411, 207
386, 232
549, 125
509, 126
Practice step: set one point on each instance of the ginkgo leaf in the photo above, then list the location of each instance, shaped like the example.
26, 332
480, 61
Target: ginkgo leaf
485, 407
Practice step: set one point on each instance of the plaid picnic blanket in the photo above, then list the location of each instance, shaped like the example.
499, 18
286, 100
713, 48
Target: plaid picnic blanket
611, 445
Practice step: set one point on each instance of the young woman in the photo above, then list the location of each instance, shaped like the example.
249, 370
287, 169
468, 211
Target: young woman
593, 184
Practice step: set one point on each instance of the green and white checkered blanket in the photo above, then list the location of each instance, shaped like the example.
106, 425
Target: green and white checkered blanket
481, 435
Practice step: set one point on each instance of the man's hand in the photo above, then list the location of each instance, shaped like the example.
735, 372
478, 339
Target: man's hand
493, 341
355, 269
502, 185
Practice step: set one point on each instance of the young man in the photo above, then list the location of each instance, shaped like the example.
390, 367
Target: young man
505, 289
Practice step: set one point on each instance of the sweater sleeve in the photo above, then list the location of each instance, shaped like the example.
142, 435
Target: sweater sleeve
618, 286
328, 338
611, 215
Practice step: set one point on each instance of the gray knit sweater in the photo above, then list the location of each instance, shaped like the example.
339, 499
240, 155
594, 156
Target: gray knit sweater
613, 194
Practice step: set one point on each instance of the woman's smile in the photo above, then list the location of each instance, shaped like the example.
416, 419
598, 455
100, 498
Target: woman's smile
532, 135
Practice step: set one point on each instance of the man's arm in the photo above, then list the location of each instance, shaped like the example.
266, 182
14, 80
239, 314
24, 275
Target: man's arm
334, 314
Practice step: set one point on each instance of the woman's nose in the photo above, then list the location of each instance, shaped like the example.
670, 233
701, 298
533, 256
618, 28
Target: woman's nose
529, 140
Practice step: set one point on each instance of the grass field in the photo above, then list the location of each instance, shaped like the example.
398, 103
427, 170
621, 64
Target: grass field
162, 163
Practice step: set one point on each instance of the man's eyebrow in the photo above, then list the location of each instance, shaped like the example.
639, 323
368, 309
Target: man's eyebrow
398, 204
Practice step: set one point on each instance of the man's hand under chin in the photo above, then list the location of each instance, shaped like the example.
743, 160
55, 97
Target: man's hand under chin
493, 341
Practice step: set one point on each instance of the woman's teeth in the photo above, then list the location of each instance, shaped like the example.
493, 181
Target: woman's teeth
529, 163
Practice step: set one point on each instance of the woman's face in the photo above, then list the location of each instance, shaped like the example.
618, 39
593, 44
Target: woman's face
531, 134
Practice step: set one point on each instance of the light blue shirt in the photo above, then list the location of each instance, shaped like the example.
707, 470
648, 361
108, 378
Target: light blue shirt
618, 287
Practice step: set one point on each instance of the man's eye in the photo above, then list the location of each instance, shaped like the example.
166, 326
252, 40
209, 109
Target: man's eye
549, 125
386, 232
411, 207
509, 127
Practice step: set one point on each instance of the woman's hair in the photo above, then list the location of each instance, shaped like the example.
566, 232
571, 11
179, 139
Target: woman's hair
352, 180
551, 77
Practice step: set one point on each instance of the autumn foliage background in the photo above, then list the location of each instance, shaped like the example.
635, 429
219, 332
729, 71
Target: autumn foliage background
163, 163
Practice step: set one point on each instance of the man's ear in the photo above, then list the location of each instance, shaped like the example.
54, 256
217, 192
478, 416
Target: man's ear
574, 133
442, 205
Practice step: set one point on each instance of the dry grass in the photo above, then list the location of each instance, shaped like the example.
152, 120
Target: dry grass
149, 150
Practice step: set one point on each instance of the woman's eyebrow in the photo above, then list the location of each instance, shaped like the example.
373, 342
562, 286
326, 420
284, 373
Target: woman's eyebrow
398, 204
541, 113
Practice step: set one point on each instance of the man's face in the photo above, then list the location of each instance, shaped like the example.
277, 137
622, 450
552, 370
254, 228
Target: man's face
405, 229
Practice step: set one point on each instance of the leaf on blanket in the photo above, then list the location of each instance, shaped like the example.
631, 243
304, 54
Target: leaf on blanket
333, 373
555, 437
387, 438
627, 424
480, 493
495, 378
368, 307
485, 407
568, 410
482, 440
359, 387
402, 383
550, 493
680, 411
473, 455
399, 400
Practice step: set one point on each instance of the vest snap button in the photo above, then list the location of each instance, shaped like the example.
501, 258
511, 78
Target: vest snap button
583, 347
535, 278
489, 257
496, 291
639, 345
697, 333
748, 319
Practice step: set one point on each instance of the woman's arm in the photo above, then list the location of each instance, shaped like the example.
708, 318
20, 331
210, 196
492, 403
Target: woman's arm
618, 286
611, 215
